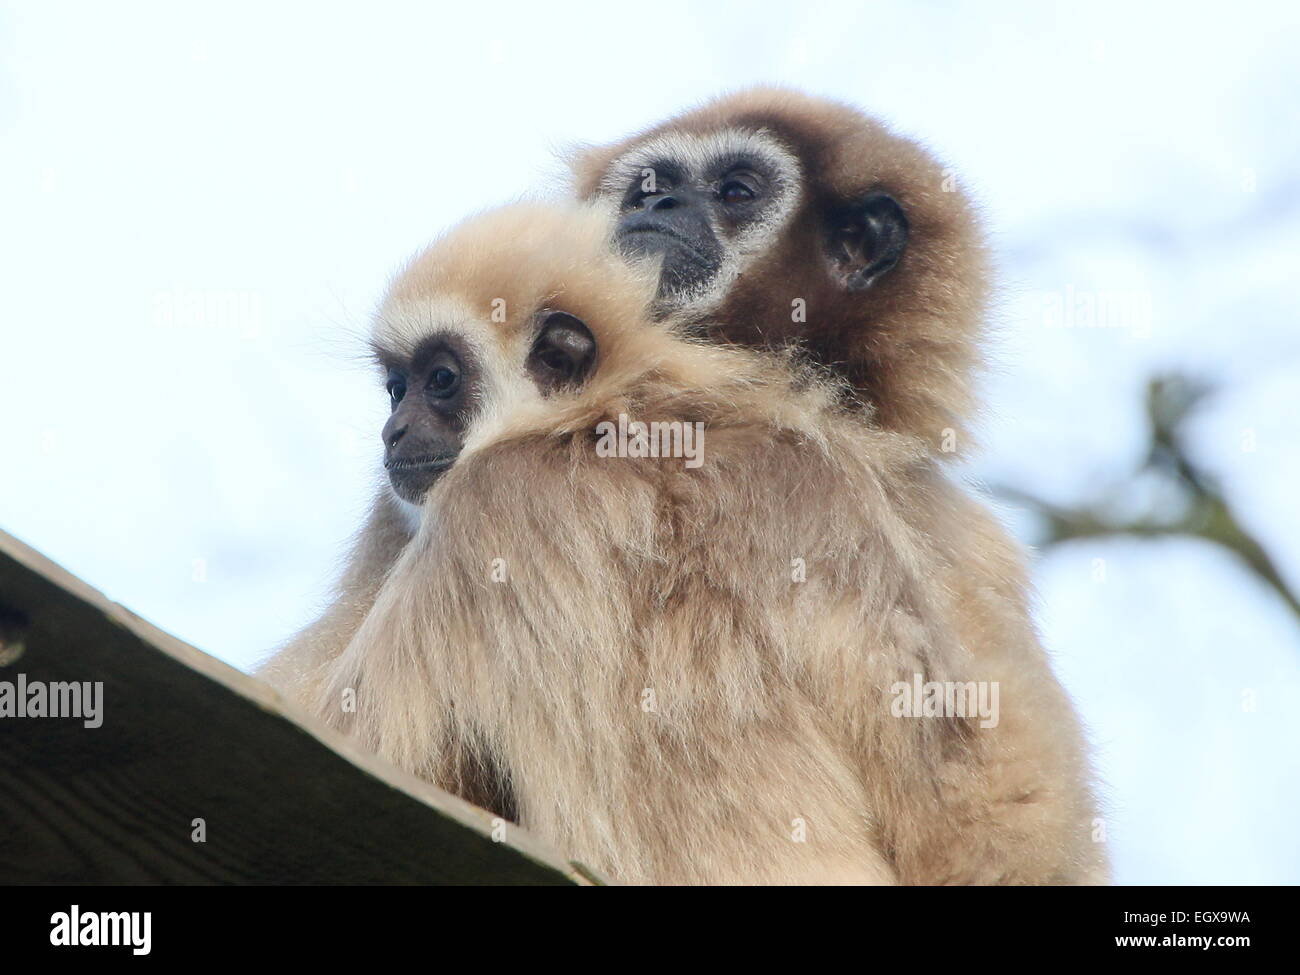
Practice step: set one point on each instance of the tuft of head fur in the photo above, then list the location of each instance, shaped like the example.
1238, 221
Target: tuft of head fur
910, 345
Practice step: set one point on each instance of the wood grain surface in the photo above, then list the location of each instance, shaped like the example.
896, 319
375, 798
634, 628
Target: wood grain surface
283, 799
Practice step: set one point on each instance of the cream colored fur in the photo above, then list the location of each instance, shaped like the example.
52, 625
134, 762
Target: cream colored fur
653, 687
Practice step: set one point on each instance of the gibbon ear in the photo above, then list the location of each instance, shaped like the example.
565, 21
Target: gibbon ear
867, 239
563, 354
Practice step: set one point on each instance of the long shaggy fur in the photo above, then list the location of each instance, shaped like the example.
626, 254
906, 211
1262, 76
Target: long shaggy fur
618, 653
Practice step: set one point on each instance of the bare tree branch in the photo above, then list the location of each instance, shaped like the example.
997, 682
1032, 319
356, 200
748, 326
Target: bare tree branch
1208, 515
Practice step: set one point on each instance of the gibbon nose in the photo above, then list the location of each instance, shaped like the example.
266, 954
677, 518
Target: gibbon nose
394, 430
665, 202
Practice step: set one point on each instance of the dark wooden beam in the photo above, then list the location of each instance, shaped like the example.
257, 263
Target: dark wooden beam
185, 737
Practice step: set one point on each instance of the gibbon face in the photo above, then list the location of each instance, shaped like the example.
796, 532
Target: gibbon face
491, 320
708, 204
436, 388
701, 203
783, 219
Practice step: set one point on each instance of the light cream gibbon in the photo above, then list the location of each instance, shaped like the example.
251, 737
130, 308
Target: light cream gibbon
679, 669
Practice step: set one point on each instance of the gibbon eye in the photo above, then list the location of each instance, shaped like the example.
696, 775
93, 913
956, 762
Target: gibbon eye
734, 191
396, 389
444, 381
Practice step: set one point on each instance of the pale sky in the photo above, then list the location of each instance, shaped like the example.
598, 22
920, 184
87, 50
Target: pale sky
200, 205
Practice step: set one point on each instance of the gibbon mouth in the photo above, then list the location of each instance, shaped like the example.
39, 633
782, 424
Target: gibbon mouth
664, 237
431, 462
685, 264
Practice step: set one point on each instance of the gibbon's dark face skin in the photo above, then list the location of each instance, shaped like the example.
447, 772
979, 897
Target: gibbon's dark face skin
436, 391
666, 213
695, 223
432, 395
